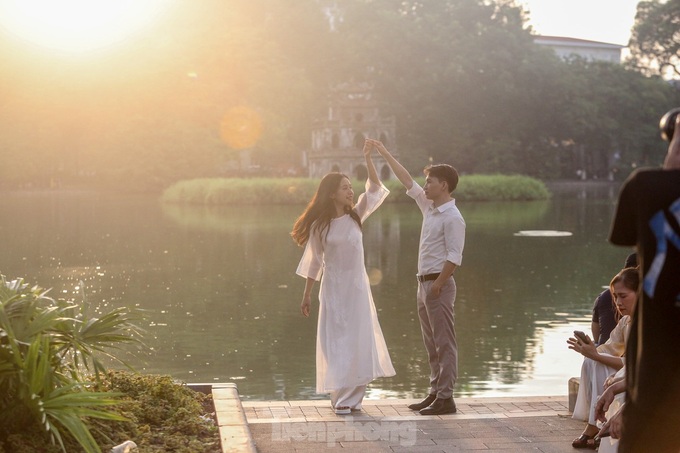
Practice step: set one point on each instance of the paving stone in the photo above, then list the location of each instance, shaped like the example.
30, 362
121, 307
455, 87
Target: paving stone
420, 449
494, 424
450, 433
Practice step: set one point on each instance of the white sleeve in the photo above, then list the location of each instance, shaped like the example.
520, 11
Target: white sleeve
454, 239
311, 263
371, 199
418, 194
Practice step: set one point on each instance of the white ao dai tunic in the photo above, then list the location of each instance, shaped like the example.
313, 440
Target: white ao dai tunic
350, 347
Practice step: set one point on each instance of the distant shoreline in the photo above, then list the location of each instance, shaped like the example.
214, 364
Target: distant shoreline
562, 184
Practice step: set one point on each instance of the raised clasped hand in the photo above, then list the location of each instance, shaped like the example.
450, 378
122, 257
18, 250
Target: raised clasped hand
368, 146
378, 145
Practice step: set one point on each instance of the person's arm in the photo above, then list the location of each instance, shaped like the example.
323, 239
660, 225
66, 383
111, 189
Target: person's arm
446, 272
454, 241
613, 427
402, 174
590, 350
601, 306
310, 268
606, 398
616, 377
306, 305
672, 161
595, 329
375, 192
372, 173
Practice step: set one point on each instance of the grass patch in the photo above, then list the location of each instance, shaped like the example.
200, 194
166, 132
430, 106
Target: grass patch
262, 191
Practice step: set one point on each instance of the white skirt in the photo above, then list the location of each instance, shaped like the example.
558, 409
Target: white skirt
593, 375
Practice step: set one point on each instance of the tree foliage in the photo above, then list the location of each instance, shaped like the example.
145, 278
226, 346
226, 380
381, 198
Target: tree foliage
463, 78
655, 42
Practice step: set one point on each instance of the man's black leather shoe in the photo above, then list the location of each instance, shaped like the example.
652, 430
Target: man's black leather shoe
440, 407
423, 404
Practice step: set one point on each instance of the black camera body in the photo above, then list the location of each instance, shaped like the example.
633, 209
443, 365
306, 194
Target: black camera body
667, 124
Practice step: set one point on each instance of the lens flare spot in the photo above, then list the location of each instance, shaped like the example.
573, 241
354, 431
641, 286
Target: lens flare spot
241, 127
375, 276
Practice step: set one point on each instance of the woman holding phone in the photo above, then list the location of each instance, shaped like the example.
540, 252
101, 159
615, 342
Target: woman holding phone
606, 359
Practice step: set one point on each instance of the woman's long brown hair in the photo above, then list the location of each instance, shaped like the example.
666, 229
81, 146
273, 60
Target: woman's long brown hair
320, 211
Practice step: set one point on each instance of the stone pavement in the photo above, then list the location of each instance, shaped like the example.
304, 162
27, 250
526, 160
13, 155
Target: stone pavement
509, 424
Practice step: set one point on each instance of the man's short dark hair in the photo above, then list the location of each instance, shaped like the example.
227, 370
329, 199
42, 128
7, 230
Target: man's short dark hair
443, 172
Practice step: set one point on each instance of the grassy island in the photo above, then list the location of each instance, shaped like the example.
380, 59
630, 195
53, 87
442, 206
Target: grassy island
234, 191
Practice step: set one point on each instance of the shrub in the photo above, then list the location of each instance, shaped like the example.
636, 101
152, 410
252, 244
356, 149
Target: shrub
164, 415
47, 350
501, 188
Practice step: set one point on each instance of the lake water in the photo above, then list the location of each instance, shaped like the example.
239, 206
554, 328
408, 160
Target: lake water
223, 298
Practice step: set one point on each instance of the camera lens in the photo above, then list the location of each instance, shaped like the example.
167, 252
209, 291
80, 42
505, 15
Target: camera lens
667, 124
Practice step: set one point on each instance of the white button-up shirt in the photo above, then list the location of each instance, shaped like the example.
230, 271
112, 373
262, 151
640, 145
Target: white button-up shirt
442, 236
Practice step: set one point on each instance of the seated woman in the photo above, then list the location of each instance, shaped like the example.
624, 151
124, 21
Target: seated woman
603, 360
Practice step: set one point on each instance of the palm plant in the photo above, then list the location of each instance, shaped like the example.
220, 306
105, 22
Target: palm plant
48, 350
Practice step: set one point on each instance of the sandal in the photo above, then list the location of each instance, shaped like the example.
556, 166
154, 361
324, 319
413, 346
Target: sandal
342, 410
583, 442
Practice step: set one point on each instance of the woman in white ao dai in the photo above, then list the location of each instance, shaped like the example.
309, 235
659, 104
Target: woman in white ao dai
350, 347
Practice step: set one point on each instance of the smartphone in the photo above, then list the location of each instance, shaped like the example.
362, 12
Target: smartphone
581, 336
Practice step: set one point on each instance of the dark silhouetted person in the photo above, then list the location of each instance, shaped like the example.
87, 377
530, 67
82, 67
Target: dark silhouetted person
648, 217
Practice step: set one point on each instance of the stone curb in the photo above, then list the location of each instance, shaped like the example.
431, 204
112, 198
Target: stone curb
235, 436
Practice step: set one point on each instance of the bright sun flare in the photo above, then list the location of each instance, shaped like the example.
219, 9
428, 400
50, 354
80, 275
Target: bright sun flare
76, 25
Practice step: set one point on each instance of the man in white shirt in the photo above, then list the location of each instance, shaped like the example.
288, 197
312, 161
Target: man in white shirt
442, 238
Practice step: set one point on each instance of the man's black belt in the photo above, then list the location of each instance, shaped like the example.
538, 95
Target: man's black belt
427, 277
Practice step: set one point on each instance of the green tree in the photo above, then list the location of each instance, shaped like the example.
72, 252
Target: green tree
463, 78
443, 82
655, 42
470, 87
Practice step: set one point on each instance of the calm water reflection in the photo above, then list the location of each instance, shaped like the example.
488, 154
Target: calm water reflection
223, 296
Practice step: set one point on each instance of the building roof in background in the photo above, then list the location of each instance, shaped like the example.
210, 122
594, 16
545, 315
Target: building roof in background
566, 48
576, 42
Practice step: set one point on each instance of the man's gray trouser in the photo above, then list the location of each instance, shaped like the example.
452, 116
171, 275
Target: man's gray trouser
439, 335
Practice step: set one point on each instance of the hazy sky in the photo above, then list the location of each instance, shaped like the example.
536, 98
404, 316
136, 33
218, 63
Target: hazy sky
78, 25
598, 20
